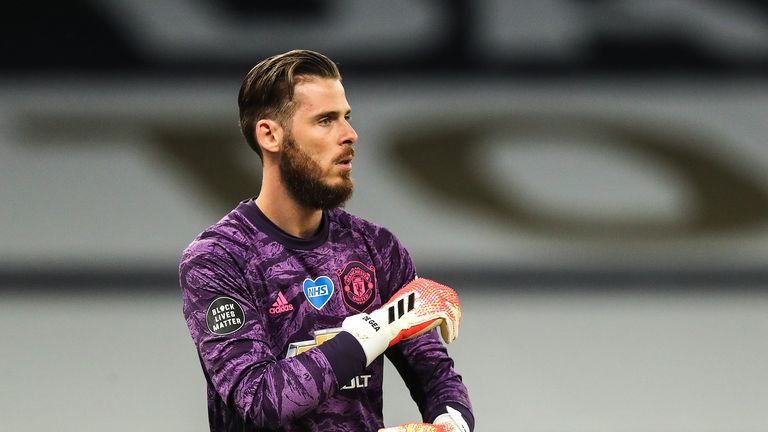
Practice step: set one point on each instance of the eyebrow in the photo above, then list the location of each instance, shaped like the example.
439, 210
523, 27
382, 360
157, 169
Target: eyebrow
331, 114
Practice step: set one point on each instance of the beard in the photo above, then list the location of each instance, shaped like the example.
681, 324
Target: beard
303, 179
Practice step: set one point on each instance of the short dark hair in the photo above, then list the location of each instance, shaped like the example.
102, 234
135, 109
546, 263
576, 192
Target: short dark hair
267, 90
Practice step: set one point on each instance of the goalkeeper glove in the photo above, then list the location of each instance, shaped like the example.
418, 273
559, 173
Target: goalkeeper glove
418, 307
451, 421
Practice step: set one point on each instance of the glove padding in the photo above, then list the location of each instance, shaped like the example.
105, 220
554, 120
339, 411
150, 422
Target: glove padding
452, 421
420, 427
418, 307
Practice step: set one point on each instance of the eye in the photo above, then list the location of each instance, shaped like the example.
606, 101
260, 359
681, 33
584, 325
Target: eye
324, 121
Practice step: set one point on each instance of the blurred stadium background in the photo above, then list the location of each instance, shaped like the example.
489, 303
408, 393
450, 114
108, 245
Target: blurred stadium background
591, 175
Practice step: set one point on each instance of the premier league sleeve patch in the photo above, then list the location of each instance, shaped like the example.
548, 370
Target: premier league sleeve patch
224, 316
358, 285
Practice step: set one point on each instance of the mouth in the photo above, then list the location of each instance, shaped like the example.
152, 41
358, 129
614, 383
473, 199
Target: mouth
345, 162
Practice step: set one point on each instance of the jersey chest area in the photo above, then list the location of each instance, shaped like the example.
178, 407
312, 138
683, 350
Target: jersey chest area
303, 292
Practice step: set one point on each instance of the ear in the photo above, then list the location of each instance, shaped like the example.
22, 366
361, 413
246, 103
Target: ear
269, 135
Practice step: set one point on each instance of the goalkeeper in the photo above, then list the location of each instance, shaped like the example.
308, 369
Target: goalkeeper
291, 301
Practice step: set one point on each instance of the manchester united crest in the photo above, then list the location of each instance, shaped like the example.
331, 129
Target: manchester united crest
358, 285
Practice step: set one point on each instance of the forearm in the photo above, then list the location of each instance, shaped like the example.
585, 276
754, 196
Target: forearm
280, 392
427, 370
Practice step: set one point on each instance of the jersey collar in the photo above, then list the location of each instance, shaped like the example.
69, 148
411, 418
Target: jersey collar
251, 211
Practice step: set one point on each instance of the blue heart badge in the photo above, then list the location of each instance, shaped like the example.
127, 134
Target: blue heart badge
318, 291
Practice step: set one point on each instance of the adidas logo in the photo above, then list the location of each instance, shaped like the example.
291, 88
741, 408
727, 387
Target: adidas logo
281, 305
403, 306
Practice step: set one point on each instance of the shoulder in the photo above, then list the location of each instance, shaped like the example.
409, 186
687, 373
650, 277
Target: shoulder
229, 238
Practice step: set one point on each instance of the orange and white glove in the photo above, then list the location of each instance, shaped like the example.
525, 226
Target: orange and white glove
418, 307
451, 421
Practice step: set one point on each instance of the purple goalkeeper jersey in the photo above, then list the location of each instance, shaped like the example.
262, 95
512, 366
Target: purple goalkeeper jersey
264, 310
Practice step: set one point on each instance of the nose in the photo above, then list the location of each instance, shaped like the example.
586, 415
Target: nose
349, 136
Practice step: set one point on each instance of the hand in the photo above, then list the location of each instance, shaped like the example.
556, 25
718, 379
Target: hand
420, 427
451, 421
418, 307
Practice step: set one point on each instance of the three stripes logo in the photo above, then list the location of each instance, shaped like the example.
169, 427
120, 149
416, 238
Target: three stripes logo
280, 305
402, 307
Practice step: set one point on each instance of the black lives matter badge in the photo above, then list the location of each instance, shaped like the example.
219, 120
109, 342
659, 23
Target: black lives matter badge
224, 316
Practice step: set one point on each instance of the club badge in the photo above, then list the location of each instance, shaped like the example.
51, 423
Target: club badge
358, 285
318, 291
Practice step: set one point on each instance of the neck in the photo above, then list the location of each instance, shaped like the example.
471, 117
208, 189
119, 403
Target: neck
290, 216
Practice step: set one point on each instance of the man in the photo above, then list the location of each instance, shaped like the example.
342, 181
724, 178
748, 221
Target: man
291, 301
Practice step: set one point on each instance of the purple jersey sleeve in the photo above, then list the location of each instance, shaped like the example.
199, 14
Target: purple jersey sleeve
423, 362
427, 371
397, 263
235, 350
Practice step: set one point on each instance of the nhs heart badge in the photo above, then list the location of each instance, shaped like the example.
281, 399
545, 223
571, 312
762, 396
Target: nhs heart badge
318, 291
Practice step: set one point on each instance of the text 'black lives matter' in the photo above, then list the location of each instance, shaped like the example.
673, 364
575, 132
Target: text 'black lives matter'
224, 316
